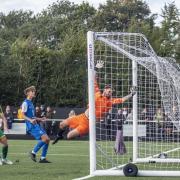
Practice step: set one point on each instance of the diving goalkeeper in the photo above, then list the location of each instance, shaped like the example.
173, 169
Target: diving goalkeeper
103, 103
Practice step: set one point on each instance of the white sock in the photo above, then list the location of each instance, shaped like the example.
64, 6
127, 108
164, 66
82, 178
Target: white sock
33, 152
43, 158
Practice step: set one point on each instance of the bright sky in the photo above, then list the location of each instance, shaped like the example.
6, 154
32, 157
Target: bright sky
38, 5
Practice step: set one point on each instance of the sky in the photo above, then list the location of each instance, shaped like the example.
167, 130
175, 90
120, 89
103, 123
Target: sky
38, 5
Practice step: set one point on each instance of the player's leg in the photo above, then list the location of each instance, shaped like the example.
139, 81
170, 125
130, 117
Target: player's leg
3, 141
81, 129
72, 134
120, 147
37, 132
46, 139
62, 127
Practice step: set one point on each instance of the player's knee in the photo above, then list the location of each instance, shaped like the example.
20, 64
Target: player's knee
47, 140
73, 134
5, 145
4, 141
61, 125
69, 136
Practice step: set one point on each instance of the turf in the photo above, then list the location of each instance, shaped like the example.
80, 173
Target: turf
69, 159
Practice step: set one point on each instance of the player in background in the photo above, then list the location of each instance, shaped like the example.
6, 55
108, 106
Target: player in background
103, 103
32, 126
3, 141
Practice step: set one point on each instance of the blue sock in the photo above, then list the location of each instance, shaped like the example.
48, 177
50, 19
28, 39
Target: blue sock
44, 151
38, 146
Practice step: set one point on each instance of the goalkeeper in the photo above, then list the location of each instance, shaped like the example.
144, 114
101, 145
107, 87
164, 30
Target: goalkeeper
103, 103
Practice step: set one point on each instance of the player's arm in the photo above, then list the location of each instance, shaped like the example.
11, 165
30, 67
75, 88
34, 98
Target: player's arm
24, 110
117, 100
125, 98
99, 65
96, 87
41, 119
32, 120
4, 120
129, 96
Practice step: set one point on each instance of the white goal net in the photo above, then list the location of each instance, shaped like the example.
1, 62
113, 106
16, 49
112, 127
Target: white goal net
144, 130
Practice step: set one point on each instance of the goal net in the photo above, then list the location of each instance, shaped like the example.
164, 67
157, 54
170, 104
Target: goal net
141, 135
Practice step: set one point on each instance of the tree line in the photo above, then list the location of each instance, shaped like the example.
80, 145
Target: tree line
48, 49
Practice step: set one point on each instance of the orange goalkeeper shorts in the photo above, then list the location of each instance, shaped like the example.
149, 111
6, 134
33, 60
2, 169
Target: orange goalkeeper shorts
79, 122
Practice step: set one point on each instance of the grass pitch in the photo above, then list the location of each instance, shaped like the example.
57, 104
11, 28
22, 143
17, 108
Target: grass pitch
70, 159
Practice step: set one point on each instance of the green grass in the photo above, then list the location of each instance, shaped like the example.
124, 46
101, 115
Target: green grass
70, 160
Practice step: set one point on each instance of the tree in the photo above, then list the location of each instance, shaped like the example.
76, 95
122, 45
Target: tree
116, 15
170, 31
35, 65
48, 50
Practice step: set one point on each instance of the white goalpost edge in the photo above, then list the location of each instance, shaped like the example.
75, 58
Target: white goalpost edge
138, 136
92, 118
135, 111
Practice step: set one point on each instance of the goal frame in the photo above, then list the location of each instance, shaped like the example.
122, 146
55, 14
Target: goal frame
91, 36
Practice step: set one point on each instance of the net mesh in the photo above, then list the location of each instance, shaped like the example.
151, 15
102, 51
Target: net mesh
158, 103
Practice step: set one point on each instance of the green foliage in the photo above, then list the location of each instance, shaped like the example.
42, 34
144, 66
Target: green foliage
170, 31
116, 15
48, 50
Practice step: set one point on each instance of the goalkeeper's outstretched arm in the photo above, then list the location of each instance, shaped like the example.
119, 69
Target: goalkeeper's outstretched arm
99, 65
132, 93
125, 98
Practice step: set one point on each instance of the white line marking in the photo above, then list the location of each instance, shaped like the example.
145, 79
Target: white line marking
62, 146
77, 155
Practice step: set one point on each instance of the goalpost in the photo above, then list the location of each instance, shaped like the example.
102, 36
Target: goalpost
146, 126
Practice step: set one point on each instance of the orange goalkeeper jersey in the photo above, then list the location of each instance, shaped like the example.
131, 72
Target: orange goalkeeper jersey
103, 104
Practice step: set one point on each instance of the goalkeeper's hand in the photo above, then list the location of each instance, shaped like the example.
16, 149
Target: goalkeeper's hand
100, 64
133, 91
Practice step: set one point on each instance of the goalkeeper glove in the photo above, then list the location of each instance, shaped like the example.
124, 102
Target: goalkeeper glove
133, 91
100, 64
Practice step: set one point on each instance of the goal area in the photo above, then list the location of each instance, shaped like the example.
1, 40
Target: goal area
138, 137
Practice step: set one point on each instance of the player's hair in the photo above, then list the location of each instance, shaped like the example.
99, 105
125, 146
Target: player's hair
31, 88
108, 86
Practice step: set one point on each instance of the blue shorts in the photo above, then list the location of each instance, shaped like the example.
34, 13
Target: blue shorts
36, 131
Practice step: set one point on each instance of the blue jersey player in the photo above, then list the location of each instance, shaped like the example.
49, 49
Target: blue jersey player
33, 127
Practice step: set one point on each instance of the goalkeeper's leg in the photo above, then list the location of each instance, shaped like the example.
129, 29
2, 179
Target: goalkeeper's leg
79, 124
73, 133
71, 122
62, 128
81, 128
